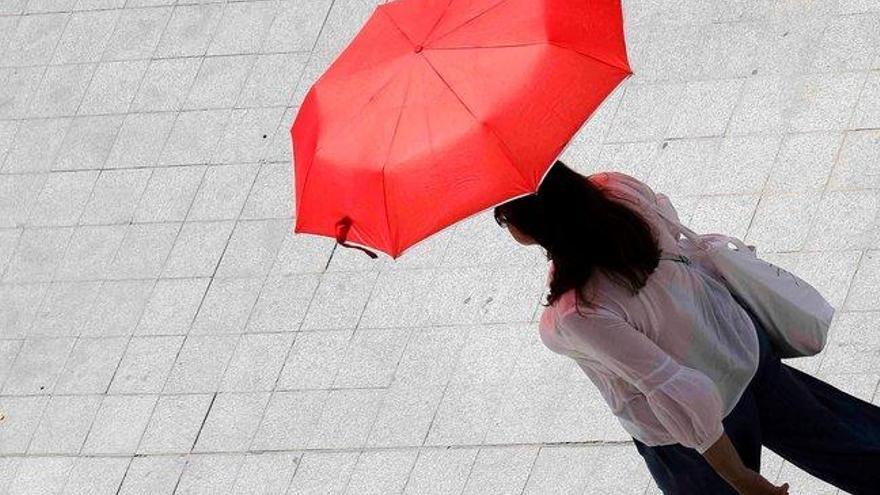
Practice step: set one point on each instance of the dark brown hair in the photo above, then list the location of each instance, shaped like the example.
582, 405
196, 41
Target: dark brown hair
582, 229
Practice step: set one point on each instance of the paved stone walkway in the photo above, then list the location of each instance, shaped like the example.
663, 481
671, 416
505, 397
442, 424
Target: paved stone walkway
161, 330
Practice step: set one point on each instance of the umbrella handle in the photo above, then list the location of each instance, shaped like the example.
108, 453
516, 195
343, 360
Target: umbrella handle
342, 228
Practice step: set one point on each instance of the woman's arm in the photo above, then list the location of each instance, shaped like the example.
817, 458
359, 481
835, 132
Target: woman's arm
726, 461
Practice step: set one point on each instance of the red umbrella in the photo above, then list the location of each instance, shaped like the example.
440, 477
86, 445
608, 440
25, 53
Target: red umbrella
439, 109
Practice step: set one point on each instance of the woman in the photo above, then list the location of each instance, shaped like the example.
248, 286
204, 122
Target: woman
684, 365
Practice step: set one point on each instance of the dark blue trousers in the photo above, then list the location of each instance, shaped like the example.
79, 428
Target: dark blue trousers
822, 430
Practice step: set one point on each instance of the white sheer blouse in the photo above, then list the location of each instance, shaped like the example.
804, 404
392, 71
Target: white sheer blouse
671, 361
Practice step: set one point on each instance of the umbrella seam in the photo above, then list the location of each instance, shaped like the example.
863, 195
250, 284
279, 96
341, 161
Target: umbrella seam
392, 237
456, 28
491, 130
556, 44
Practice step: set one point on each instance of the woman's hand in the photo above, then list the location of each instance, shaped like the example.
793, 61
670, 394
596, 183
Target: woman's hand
755, 484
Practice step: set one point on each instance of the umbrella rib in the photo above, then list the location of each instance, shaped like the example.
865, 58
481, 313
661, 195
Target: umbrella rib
471, 47
503, 146
465, 22
385, 162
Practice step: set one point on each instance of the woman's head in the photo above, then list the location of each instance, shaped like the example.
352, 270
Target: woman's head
581, 229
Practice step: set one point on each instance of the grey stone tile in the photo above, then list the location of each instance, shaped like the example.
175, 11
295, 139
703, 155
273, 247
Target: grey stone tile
732, 49
194, 137
682, 165
346, 418
273, 78
848, 43
705, 108
22, 416
296, 26
35, 38
339, 300
558, 469
46, 474
313, 360
8, 352
209, 473
863, 291
479, 240
85, 36
201, 363
61, 90
822, 102
64, 309
197, 249
98, 4
37, 367
323, 472
279, 146
18, 307
857, 164
738, 212
17, 194
175, 424
247, 135
844, 220
782, 221
189, 31
91, 365
256, 362
371, 358
153, 475
645, 112
146, 364
219, 82
419, 383
301, 253
8, 129
172, 306
271, 196
39, 6
268, 472
852, 345
830, 272
459, 295
498, 470
608, 462
290, 420
868, 106
37, 254
35, 145
96, 475
90, 252
63, 198
473, 393
13, 7
88, 142
140, 140
232, 422
118, 308
115, 196
113, 87
169, 194
282, 303
378, 472
64, 425
243, 27
441, 471
19, 86
143, 250
137, 33
119, 424
227, 305
805, 162
399, 298
252, 248
762, 107
741, 165
8, 241
166, 84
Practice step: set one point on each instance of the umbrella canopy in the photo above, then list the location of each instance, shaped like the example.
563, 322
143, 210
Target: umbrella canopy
439, 109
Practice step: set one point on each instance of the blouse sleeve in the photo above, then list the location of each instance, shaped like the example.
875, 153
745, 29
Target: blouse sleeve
685, 401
